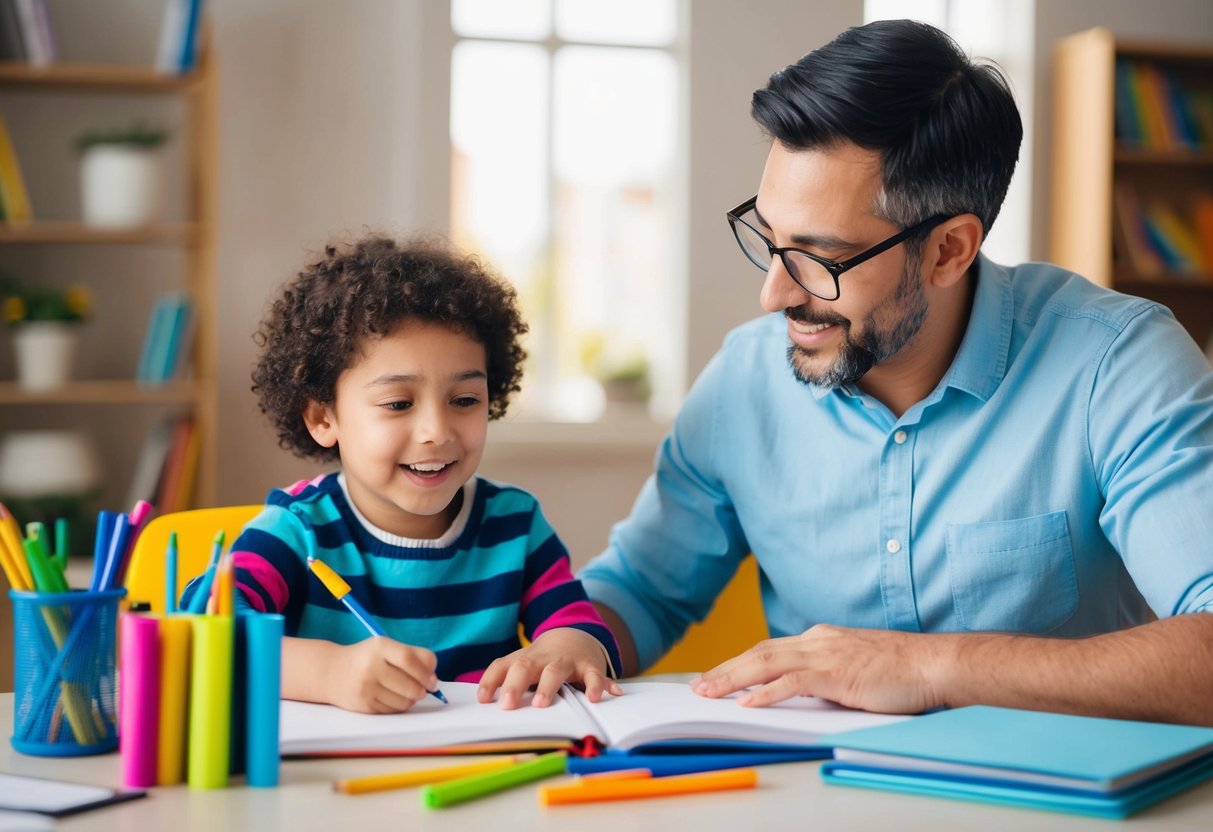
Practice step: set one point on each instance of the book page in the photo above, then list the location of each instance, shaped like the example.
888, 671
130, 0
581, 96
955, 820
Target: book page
661, 711
308, 728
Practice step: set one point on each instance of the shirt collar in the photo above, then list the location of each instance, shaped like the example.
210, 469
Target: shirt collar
981, 361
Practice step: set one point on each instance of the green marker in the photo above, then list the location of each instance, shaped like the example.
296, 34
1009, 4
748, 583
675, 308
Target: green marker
437, 795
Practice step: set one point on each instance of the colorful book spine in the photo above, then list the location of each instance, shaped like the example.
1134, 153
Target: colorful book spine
12, 185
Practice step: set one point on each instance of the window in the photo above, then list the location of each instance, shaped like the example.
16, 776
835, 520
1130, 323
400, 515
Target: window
565, 174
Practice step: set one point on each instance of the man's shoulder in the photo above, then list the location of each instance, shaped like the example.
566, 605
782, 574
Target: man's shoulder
1044, 292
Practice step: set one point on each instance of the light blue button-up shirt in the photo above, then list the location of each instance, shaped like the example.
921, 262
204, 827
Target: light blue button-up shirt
1058, 480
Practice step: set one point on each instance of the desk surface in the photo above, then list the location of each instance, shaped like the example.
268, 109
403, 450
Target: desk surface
788, 796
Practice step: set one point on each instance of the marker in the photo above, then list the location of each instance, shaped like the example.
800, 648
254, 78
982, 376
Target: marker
170, 574
479, 785
335, 584
199, 599
594, 790
422, 777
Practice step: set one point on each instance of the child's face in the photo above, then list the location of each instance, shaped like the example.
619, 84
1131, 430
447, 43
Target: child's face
409, 419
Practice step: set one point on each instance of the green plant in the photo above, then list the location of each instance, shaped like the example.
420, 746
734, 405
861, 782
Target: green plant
24, 303
138, 134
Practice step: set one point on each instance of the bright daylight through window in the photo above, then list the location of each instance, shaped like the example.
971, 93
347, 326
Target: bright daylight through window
565, 138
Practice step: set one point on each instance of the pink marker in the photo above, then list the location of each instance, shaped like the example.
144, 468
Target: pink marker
139, 698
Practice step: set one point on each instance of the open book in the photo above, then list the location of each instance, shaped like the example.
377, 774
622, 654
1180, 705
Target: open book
648, 713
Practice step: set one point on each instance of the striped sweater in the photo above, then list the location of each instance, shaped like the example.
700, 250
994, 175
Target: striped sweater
463, 596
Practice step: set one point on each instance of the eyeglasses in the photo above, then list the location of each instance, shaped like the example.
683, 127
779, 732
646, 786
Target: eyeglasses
816, 275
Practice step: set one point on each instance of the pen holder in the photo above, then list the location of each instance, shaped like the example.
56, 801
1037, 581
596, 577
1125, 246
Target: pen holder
64, 672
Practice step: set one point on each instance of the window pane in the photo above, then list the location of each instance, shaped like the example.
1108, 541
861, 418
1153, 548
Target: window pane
634, 22
614, 136
499, 151
522, 19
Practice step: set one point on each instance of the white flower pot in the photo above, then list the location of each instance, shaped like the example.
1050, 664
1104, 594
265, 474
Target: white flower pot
120, 185
45, 352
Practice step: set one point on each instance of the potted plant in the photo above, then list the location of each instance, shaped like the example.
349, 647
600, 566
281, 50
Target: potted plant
121, 180
44, 322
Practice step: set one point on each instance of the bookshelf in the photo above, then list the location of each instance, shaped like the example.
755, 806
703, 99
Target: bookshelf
191, 239
1109, 171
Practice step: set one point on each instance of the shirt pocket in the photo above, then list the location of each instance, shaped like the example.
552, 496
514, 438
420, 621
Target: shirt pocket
1013, 575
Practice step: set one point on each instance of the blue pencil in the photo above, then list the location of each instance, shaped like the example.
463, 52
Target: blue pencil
170, 574
105, 528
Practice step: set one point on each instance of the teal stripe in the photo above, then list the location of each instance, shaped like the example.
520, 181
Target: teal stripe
437, 633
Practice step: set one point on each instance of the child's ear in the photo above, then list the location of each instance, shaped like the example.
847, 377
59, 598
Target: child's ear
321, 423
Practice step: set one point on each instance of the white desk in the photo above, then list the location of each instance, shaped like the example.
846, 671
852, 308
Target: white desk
788, 797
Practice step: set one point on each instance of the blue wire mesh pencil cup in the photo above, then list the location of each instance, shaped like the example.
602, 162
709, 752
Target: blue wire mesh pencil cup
64, 672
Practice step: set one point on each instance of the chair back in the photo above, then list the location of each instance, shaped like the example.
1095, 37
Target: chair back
735, 624
196, 528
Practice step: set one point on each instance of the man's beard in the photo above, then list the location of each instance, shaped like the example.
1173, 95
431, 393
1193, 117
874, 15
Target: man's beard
858, 355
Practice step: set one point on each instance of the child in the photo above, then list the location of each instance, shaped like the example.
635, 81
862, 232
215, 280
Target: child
393, 358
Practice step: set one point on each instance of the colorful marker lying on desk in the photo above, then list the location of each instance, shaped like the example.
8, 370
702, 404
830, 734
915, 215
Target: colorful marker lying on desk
335, 584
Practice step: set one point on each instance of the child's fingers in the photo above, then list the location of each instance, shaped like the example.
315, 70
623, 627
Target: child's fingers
416, 662
518, 679
553, 676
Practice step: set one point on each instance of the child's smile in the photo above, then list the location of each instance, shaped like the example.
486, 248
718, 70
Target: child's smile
409, 420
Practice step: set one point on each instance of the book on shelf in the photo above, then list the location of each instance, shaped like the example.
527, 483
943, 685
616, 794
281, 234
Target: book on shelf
1132, 237
649, 715
1156, 110
174, 489
1173, 237
150, 464
166, 340
180, 28
12, 47
1084, 765
13, 196
37, 34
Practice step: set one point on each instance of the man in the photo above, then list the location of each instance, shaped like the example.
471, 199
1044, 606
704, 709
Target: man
976, 482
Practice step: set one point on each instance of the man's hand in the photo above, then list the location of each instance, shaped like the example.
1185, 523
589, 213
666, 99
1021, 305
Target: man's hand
375, 676
876, 670
561, 655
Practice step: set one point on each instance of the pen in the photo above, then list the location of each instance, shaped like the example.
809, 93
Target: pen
335, 584
422, 777
198, 602
62, 545
478, 785
593, 790
170, 574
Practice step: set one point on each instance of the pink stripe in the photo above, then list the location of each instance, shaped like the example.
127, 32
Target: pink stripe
557, 575
580, 612
295, 489
471, 675
264, 574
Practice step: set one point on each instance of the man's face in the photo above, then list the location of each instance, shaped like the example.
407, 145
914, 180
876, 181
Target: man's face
822, 201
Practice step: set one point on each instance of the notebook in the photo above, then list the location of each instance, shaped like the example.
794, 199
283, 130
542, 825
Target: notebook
648, 715
1086, 765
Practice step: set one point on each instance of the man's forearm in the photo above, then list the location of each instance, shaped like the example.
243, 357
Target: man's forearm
1161, 671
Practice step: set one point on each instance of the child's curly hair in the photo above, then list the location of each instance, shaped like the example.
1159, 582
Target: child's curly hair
316, 327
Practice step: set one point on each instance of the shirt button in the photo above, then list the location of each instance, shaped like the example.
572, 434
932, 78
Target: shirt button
893, 546
900, 437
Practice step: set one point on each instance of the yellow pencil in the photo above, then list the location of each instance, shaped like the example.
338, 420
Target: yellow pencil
10, 533
422, 777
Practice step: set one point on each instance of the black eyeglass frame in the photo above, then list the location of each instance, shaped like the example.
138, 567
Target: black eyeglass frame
835, 267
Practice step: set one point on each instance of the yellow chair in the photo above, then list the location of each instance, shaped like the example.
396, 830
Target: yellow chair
735, 624
145, 576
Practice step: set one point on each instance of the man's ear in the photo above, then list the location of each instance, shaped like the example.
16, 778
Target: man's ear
956, 243
321, 423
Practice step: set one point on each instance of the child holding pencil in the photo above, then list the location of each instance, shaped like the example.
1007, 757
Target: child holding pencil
392, 358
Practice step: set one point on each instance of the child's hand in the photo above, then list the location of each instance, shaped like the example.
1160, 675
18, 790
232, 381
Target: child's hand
561, 655
379, 676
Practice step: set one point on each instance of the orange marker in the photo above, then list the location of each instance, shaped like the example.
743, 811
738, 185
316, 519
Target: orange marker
631, 788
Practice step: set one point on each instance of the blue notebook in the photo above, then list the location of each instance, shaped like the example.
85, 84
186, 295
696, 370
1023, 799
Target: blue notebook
1086, 765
